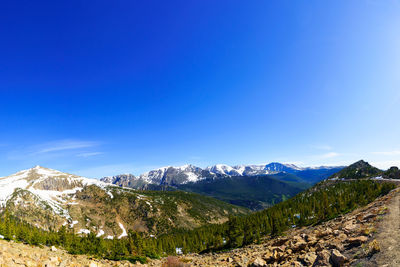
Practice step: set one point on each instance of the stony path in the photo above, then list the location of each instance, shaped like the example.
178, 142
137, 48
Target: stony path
389, 236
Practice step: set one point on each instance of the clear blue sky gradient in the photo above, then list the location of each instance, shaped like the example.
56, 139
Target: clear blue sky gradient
105, 87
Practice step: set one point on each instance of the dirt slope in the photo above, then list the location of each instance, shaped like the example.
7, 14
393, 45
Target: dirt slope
388, 237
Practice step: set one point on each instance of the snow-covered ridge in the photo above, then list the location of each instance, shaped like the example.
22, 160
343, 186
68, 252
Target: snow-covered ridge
47, 185
171, 175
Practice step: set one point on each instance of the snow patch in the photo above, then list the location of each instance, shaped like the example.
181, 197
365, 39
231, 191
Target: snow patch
84, 231
100, 233
123, 231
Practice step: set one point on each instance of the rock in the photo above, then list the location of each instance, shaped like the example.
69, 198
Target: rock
337, 259
310, 258
368, 216
272, 256
322, 259
258, 262
373, 247
229, 259
311, 240
335, 244
336, 232
350, 227
299, 246
320, 245
279, 241
342, 237
356, 241
319, 234
54, 260
53, 248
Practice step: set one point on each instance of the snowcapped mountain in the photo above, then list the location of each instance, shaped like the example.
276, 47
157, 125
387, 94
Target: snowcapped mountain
223, 169
126, 180
176, 175
172, 176
50, 199
238, 170
280, 167
46, 184
253, 170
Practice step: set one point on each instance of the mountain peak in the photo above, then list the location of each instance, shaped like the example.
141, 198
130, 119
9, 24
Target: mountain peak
282, 167
360, 164
357, 170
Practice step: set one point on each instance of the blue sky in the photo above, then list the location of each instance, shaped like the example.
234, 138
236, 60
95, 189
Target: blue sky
100, 88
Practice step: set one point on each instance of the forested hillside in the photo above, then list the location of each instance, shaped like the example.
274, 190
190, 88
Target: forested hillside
313, 206
256, 192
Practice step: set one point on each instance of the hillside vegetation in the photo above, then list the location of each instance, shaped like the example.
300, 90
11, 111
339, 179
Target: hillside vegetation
256, 192
307, 208
50, 199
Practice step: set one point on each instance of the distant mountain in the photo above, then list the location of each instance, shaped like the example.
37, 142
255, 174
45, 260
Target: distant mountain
126, 180
251, 186
308, 174
280, 167
176, 175
256, 192
49, 199
360, 169
173, 176
239, 170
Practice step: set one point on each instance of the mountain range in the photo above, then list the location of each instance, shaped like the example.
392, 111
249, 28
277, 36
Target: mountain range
173, 176
251, 186
50, 199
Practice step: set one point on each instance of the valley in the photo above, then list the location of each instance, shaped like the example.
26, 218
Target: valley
255, 187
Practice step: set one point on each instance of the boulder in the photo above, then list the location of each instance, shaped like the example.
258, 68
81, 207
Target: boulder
309, 258
368, 216
336, 244
299, 246
258, 262
337, 259
322, 259
357, 241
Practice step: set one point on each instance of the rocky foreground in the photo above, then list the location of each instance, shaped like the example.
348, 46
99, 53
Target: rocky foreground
17, 254
350, 240
355, 239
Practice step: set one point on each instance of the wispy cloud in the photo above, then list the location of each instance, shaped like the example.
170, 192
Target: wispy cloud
89, 154
62, 145
387, 153
53, 149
